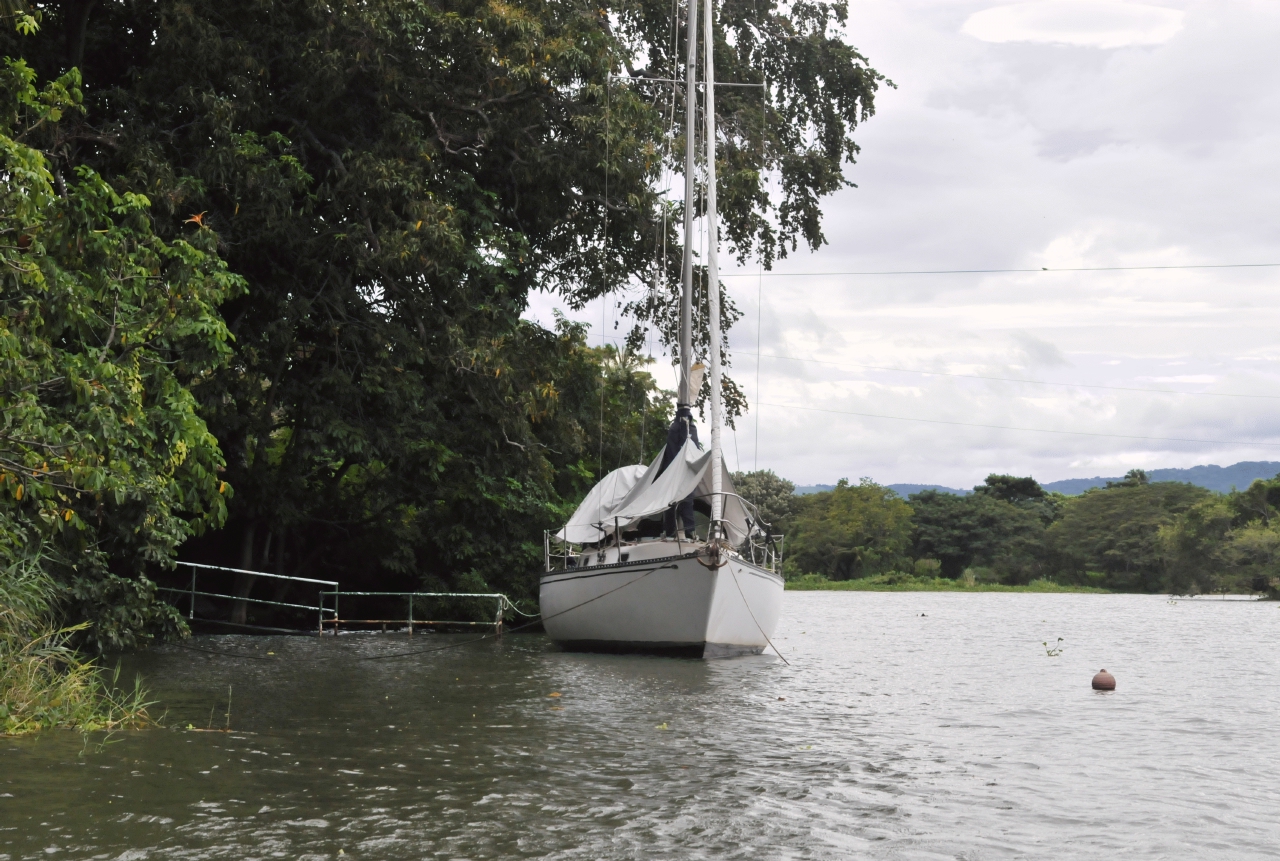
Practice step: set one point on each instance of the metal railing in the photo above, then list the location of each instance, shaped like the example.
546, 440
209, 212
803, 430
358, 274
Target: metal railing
503, 603
326, 615
196, 567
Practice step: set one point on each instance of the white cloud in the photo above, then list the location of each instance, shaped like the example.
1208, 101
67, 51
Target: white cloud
1086, 23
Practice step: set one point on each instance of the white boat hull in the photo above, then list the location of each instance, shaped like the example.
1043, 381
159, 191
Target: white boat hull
665, 603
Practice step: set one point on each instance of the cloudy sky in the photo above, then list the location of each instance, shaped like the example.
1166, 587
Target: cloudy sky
1060, 134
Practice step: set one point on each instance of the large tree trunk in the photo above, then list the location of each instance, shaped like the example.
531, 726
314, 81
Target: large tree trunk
76, 13
282, 586
244, 582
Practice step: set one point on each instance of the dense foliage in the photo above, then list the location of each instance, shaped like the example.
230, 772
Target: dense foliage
386, 181
1133, 535
852, 531
1116, 531
105, 463
773, 496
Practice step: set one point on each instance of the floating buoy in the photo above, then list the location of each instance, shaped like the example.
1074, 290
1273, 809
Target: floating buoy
1104, 681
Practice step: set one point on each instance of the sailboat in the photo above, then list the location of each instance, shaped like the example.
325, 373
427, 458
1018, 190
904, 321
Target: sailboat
630, 572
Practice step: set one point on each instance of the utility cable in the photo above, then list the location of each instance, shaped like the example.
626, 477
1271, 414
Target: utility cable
1001, 379
1006, 379
1039, 269
1025, 430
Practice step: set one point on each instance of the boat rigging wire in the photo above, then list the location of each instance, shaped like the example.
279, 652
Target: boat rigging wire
604, 265
1025, 430
764, 130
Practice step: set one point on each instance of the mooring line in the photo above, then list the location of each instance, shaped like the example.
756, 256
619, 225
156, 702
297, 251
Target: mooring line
518, 627
217, 652
484, 637
754, 619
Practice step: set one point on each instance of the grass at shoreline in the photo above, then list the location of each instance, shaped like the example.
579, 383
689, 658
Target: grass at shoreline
44, 682
890, 583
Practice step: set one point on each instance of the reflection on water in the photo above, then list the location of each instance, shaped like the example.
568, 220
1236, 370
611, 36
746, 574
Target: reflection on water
908, 726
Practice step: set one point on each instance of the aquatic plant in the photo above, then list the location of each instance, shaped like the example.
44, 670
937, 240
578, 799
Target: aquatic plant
1054, 650
44, 681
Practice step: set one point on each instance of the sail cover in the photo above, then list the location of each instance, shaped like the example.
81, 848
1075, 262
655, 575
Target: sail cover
597, 509
632, 493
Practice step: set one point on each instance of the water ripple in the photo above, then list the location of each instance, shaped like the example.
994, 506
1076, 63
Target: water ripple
893, 735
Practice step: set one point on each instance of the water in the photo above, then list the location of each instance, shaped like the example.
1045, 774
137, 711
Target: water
892, 735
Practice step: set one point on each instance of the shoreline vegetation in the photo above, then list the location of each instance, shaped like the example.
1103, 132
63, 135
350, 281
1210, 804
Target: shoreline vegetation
896, 582
45, 683
1134, 535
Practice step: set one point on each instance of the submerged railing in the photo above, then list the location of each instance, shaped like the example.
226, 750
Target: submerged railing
192, 593
326, 606
502, 603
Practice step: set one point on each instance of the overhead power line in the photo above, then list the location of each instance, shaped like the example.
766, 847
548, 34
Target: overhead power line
995, 379
1002, 271
1008, 379
1024, 430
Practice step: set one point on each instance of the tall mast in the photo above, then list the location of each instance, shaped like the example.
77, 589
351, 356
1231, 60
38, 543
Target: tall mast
713, 269
686, 397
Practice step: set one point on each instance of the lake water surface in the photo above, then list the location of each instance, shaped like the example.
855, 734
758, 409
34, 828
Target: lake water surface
916, 725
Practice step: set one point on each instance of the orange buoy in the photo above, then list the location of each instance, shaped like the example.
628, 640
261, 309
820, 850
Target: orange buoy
1104, 681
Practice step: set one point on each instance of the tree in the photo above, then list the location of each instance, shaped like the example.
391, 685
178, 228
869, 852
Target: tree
1117, 531
1226, 543
1132, 478
1011, 489
979, 529
849, 532
105, 465
391, 180
1024, 493
773, 496
1250, 560
1192, 545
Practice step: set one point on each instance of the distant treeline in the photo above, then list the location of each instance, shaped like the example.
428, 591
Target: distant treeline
1134, 535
